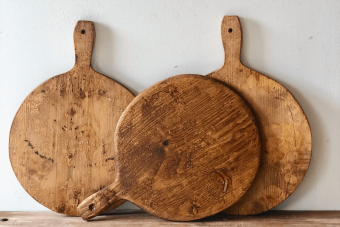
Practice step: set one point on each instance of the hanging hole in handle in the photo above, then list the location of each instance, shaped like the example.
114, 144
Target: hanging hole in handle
230, 30
91, 207
83, 31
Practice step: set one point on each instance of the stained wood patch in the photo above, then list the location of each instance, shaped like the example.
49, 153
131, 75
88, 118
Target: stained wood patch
61, 140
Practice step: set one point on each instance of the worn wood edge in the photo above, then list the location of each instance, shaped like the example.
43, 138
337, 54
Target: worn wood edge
100, 201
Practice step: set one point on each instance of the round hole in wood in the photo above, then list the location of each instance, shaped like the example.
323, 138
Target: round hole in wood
91, 207
165, 142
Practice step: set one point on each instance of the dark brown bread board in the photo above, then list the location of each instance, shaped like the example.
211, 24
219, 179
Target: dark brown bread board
185, 148
285, 133
61, 140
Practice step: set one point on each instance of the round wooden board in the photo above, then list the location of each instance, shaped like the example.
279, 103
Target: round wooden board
61, 140
186, 148
285, 132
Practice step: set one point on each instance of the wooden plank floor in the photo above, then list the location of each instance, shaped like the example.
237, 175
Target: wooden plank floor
141, 219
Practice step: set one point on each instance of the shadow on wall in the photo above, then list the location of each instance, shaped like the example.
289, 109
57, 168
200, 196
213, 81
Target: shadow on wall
104, 62
317, 168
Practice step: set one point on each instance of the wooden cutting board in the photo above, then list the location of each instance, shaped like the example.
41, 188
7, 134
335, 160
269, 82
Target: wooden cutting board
285, 132
185, 148
61, 140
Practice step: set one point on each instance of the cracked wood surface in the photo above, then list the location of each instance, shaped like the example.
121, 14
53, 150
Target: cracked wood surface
285, 132
61, 139
141, 219
186, 148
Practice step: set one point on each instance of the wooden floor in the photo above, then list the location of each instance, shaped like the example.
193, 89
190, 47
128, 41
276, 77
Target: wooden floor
141, 219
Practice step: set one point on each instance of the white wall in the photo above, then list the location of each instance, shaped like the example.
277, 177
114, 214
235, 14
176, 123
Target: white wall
141, 42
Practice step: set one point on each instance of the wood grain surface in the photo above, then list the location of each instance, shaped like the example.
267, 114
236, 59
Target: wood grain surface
285, 132
185, 148
141, 219
61, 140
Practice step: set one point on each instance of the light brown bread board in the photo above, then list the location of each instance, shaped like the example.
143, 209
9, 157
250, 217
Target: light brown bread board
61, 140
285, 132
185, 148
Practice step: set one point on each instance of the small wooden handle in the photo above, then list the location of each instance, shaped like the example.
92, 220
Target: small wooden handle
99, 202
84, 35
231, 32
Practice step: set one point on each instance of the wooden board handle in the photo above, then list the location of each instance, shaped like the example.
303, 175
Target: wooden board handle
99, 202
84, 35
231, 32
